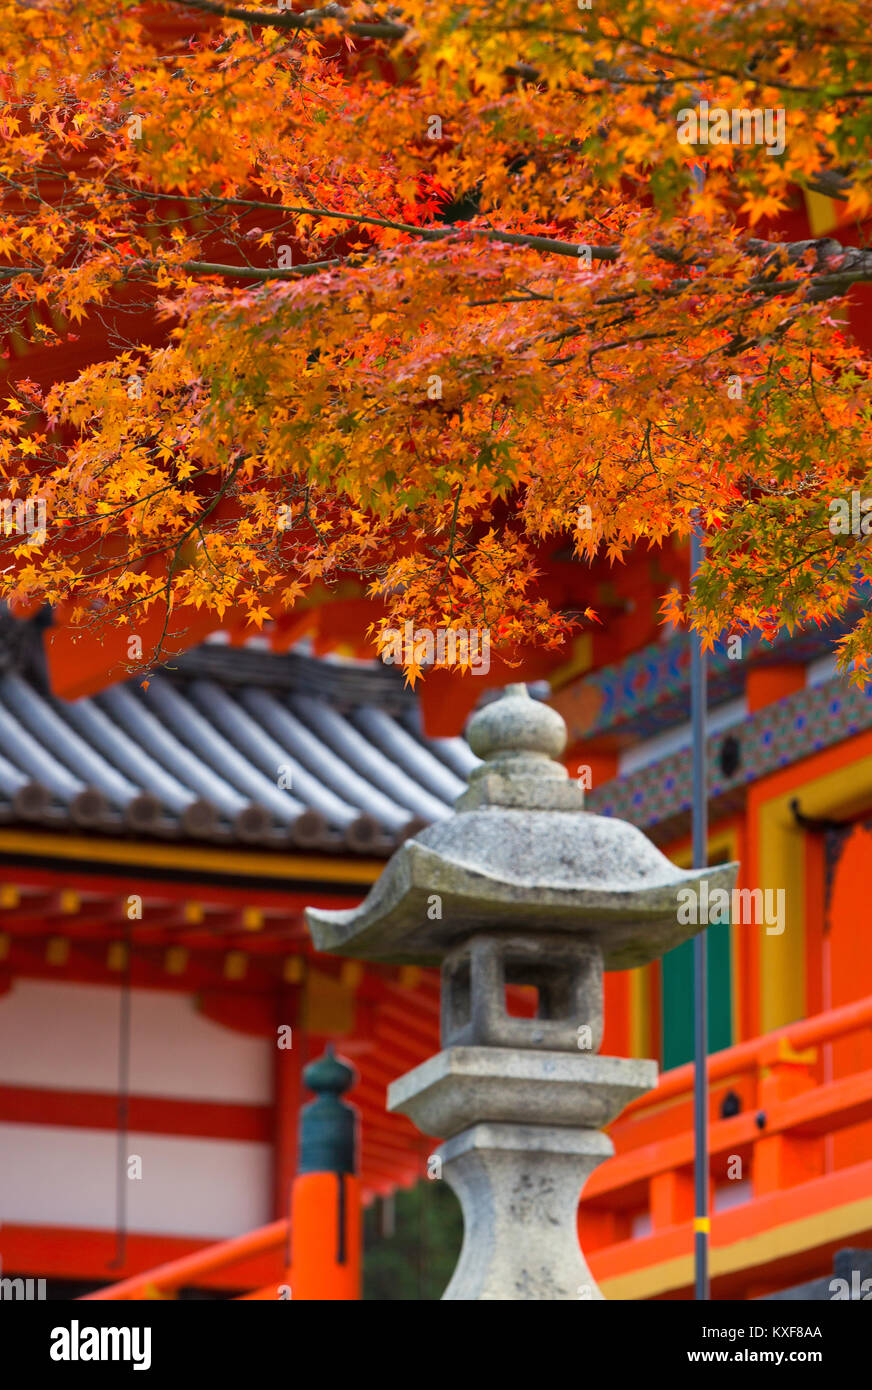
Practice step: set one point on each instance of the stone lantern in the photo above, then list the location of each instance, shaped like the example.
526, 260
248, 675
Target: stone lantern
520, 885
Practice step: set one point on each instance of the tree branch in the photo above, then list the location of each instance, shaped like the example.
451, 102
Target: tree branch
307, 19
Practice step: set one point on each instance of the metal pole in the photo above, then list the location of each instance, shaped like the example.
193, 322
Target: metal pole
701, 1222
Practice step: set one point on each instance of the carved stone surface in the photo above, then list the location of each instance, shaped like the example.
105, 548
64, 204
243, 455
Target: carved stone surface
463, 1085
525, 1136
566, 972
518, 1187
549, 870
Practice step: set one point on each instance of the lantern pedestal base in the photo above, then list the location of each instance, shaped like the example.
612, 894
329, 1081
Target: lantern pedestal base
519, 1183
519, 1186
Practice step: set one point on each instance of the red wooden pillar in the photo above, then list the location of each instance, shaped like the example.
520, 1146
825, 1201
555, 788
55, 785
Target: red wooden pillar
288, 1097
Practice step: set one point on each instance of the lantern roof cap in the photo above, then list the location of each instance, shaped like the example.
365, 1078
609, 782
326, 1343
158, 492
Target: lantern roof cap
521, 854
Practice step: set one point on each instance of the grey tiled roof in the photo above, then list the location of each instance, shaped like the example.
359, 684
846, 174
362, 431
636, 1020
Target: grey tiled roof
231, 746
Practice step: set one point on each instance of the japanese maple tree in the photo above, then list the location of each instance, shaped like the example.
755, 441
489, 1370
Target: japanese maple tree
434, 282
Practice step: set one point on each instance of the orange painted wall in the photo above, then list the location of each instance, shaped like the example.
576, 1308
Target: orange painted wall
839, 758
847, 975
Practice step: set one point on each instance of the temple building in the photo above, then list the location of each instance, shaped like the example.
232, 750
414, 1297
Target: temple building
160, 997
162, 832
158, 993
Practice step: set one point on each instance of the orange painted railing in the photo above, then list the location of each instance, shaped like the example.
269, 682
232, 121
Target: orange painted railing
779, 1124
167, 1279
747, 1056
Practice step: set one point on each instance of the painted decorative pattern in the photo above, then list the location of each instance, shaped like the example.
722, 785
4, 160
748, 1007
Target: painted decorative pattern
649, 690
781, 734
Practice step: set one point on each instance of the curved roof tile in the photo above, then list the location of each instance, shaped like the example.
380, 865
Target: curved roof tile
199, 753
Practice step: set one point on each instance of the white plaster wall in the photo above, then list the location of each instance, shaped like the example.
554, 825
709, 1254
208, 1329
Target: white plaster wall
65, 1037
53, 1176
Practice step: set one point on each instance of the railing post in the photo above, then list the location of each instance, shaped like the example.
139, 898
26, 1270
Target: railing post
782, 1159
671, 1198
325, 1201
